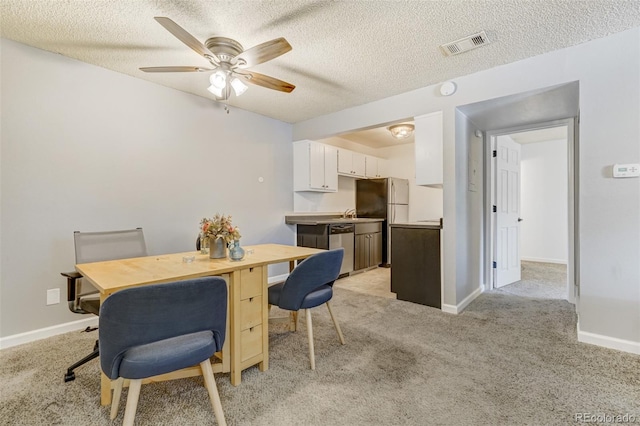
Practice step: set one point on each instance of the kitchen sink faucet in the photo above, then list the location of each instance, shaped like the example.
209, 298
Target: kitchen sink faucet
349, 213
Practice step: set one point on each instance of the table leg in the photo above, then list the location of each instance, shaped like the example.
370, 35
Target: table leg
234, 335
105, 390
226, 347
264, 365
105, 382
293, 316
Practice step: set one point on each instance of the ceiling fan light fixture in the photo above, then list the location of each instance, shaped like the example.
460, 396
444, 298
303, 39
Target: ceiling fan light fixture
216, 91
238, 86
218, 79
401, 131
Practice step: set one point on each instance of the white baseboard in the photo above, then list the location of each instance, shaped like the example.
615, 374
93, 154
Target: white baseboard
277, 279
456, 309
43, 333
608, 342
543, 260
92, 321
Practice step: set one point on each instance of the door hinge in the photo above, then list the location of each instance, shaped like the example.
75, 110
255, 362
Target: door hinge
495, 153
495, 265
495, 209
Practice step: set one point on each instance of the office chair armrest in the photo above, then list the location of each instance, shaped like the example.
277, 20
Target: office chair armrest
73, 284
75, 275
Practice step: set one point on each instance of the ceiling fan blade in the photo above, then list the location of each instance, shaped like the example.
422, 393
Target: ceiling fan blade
182, 35
266, 81
263, 52
174, 69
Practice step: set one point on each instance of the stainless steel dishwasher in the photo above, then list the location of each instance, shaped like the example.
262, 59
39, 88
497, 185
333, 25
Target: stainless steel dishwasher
341, 235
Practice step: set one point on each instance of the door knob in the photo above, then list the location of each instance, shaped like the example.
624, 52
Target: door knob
520, 219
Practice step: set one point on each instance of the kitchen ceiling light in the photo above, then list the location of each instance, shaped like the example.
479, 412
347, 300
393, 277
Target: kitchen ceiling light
401, 131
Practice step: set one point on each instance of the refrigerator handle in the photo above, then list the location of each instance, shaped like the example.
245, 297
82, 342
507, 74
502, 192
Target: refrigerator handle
393, 192
393, 201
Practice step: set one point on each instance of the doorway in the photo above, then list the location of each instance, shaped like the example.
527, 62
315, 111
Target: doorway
531, 204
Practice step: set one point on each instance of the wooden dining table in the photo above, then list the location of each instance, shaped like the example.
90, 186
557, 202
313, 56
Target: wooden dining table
247, 342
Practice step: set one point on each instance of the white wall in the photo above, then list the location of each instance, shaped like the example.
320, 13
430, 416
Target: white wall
84, 148
543, 205
609, 209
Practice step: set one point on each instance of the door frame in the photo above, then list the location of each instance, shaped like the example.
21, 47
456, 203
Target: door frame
572, 125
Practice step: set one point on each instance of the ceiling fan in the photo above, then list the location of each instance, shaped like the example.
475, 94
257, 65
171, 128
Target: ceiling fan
229, 60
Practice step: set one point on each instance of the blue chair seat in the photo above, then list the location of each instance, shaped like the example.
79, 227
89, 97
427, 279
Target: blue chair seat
167, 355
316, 298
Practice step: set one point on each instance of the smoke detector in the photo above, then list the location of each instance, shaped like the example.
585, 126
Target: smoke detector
465, 44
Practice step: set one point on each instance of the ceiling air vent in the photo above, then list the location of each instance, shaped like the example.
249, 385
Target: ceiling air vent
465, 44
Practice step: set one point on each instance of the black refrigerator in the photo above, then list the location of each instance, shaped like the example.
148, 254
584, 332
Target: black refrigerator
387, 199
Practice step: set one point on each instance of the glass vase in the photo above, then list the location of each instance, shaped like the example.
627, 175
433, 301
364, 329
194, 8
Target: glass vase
235, 251
204, 244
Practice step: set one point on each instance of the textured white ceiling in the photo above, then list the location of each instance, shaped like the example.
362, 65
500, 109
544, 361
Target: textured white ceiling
345, 53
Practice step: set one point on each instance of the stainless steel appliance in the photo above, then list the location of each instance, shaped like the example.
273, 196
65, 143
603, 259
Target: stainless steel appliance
341, 235
386, 199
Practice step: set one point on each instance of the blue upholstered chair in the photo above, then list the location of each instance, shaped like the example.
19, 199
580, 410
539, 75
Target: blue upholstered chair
156, 329
309, 285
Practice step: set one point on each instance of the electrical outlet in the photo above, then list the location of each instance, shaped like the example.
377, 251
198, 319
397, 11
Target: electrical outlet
53, 296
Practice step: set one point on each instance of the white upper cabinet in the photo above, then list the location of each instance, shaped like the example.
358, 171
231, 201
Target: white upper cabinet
351, 163
428, 145
315, 167
374, 167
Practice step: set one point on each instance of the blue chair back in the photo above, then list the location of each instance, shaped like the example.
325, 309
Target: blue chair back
147, 314
312, 273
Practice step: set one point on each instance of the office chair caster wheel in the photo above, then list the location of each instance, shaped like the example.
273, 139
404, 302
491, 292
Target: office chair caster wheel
70, 376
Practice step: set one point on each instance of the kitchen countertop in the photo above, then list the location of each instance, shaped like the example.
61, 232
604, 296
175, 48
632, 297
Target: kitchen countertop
324, 219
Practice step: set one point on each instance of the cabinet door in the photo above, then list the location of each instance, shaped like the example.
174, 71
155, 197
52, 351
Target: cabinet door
330, 168
375, 243
345, 159
382, 168
361, 251
358, 164
428, 148
371, 167
375, 167
317, 166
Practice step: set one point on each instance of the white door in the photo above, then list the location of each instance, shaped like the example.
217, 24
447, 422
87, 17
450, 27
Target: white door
508, 212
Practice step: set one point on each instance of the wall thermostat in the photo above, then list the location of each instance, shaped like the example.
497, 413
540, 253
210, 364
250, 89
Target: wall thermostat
448, 88
626, 170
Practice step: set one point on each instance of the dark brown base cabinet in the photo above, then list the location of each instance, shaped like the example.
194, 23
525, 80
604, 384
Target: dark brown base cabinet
415, 271
368, 245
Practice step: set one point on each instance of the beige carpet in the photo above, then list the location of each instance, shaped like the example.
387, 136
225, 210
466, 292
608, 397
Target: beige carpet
543, 280
506, 360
